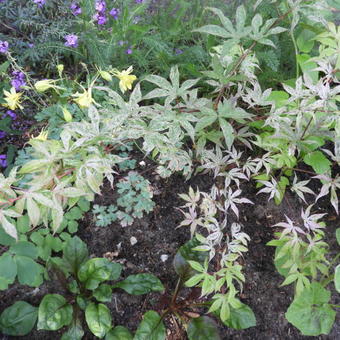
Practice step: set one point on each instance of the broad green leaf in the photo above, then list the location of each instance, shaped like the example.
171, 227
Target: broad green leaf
74, 332
74, 214
84, 204
308, 66
29, 272
18, 319
98, 270
54, 312
186, 253
337, 278
310, 311
8, 270
98, 318
119, 333
203, 328
337, 235
278, 97
151, 327
103, 293
75, 254
140, 284
23, 224
25, 248
241, 318
318, 161
305, 41
6, 239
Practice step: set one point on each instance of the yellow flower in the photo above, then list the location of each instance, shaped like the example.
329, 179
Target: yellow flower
83, 99
125, 78
12, 99
42, 135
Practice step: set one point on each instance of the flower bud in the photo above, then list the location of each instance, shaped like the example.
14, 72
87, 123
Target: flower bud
67, 115
44, 85
105, 75
60, 69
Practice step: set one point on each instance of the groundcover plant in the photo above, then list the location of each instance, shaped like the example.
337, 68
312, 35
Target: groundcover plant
239, 100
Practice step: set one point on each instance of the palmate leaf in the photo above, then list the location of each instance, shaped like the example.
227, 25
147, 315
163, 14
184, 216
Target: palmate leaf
310, 311
228, 31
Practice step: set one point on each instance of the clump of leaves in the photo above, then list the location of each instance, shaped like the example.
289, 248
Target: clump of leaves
85, 280
104, 215
135, 198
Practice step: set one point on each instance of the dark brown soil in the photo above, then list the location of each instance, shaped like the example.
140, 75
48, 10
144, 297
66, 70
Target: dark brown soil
157, 235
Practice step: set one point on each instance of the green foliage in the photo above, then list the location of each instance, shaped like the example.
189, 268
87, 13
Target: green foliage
104, 215
151, 327
202, 328
241, 318
185, 125
20, 262
72, 216
119, 333
81, 277
18, 319
140, 284
54, 312
310, 311
98, 318
135, 198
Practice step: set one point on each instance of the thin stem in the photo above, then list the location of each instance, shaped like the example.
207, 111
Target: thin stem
177, 289
297, 68
306, 128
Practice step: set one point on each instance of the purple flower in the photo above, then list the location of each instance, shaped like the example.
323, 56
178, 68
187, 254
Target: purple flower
178, 51
3, 46
115, 13
3, 161
40, 3
75, 8
129, 51
2, 134
100, 6
11, 114
100, 18
138, 1
30, 45
71, 40
2, 1
19, 80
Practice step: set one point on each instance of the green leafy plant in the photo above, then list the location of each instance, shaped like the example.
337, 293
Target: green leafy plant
85, 294
300, 257
104, 215
20, 261
134, 199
